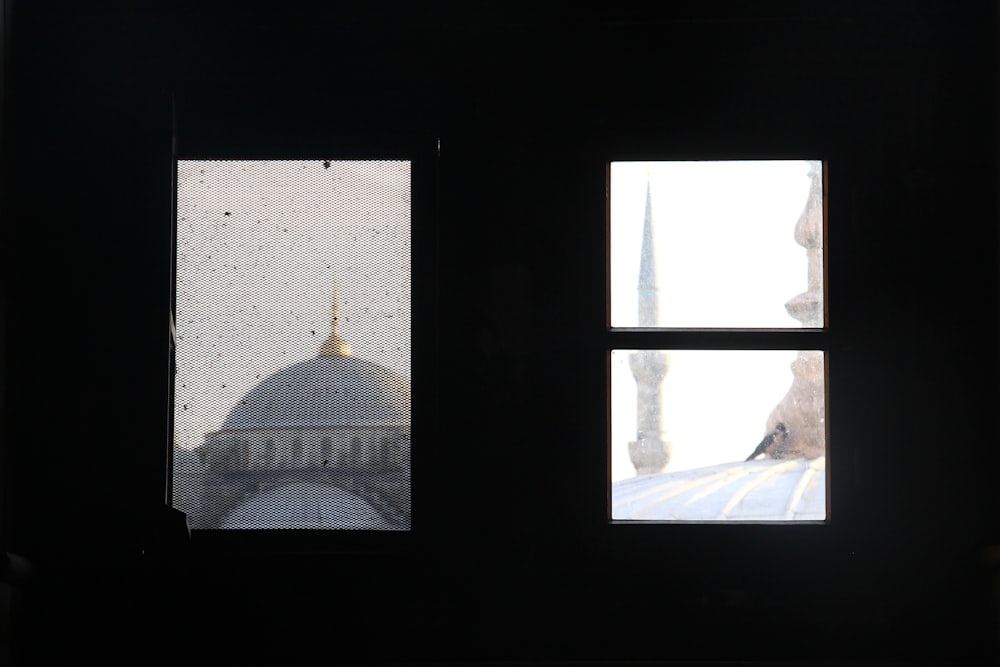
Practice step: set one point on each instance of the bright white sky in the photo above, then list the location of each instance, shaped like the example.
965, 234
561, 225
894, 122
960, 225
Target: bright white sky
255, 287
726, 257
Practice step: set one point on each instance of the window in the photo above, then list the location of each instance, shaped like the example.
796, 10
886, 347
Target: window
717, 330
292, 326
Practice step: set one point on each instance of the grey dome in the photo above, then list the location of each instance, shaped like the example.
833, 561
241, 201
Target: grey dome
765, 490
328, 390
306, 506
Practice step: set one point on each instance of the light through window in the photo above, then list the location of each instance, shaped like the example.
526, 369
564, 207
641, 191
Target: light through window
716, 353
292, 344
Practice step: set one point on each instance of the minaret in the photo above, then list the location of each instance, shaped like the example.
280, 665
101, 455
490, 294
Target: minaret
650, 451
803, 409
649, 285
335, 345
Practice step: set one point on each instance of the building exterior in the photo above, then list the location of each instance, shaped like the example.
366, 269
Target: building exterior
321, 444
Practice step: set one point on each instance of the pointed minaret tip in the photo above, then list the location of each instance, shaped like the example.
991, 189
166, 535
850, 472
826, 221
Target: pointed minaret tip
649, 311
335, 345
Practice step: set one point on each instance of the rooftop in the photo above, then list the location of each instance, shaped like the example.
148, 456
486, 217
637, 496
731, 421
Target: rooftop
755, 491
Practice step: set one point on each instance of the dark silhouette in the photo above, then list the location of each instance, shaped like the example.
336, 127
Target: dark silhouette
772, 444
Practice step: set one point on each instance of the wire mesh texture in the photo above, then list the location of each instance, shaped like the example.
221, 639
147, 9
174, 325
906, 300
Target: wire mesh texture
292, 344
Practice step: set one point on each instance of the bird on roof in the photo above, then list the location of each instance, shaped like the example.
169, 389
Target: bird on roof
773, 443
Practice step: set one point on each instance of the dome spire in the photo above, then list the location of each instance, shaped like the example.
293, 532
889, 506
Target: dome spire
335, 345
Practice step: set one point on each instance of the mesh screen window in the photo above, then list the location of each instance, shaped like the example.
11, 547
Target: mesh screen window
292, 344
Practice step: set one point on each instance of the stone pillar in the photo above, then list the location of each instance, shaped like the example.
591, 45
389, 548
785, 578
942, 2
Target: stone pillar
803, 409
650, 452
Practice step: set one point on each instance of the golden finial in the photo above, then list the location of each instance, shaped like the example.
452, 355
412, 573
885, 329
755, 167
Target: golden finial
335, 345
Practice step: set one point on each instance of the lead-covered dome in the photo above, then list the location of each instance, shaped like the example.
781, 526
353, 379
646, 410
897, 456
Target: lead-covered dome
325, 391
323, 443
306, 506
764, 491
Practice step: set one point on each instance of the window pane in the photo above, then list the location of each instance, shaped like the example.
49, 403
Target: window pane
717, 244
696, 419
292, 389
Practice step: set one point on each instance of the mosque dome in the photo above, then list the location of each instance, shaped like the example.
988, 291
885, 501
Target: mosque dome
755, 491
323, 443
306, 506
325, 391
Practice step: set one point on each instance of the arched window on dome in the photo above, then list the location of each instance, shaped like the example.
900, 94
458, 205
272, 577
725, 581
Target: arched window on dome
268, 456
401, 451
223, 459
355, 455
296, 452
326, 451
384, 452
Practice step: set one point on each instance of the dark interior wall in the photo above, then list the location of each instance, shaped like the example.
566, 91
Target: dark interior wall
511, 556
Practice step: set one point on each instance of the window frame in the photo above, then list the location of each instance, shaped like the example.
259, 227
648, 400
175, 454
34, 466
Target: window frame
667, 339
422, 153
